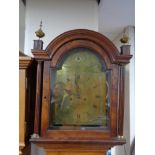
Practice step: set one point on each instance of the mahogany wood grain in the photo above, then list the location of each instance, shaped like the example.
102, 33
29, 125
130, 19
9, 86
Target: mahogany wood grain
74, 149
84, 142
125, 50
121, 100
38, 98
77, 147
92, 36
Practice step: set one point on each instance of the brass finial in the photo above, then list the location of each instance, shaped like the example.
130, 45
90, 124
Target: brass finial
39, 33
125, 38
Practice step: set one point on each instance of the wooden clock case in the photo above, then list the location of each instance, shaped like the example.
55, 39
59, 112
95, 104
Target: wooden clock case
77, 141
27, 91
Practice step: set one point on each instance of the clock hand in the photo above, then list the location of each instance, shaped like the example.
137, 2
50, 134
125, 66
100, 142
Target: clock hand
77, 77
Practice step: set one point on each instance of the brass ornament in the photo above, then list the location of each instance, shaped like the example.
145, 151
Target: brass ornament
39, 33
124, 39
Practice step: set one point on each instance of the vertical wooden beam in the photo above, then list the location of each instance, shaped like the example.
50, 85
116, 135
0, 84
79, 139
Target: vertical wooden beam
39, 56
38, 45
24, 63
125, 50
121, 100
22, 110
38, 99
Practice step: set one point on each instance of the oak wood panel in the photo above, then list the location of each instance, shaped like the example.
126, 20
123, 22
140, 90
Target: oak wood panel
22, 107
24, 62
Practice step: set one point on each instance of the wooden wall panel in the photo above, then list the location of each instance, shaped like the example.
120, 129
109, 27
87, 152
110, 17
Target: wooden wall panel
21, 109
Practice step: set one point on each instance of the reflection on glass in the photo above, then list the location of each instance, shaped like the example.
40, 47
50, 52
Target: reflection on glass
79, 91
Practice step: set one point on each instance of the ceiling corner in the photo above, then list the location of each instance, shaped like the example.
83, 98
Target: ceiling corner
98, 1
24, 2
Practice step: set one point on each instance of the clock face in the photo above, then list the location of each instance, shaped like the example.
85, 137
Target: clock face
79, 91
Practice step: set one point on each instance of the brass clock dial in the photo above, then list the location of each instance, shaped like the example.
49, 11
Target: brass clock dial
79, 93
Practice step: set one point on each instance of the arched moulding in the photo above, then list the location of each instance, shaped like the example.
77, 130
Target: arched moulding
82, 44
85, 38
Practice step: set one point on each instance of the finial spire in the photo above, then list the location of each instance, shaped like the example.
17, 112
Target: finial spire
39, 33
41, 24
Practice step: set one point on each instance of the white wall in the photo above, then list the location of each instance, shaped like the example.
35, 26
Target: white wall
129, 117
58, 16
114, 15
21, 26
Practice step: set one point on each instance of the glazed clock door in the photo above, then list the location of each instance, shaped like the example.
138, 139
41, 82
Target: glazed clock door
81, 89
80, 92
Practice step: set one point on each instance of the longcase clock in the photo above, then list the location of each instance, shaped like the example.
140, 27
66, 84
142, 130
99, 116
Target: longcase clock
79, 94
